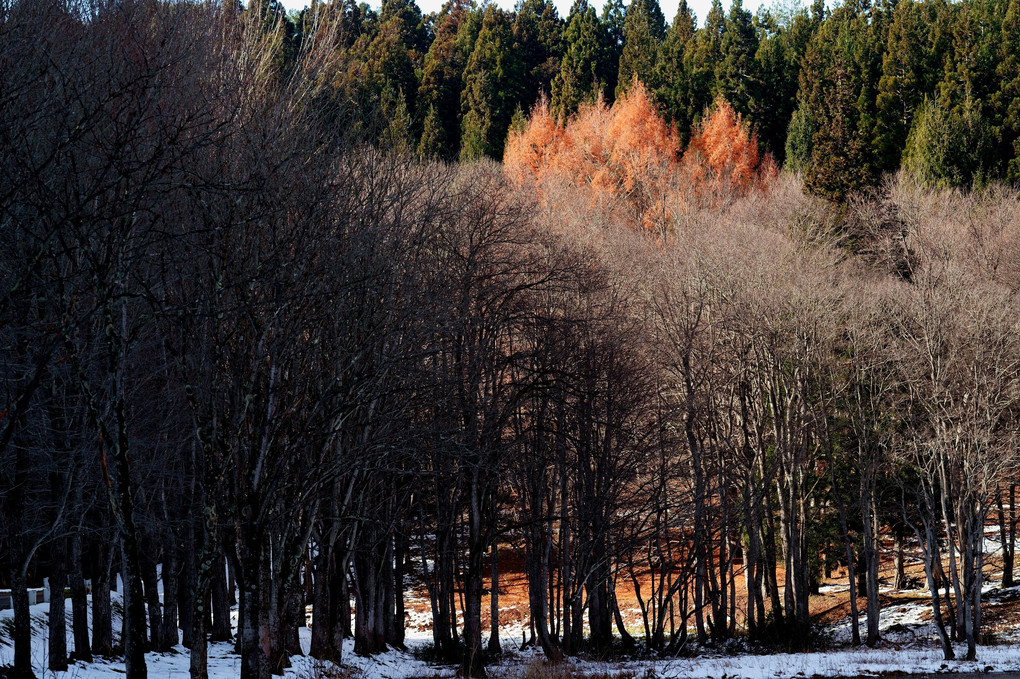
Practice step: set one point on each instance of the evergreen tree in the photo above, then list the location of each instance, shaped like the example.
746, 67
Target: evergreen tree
837, 92
443, 78
538, 33
910, 69
704, 56
492, 87
800, 141
433, 135
643, 31
736, 73
413, 28
1008, 96
614, 16
946, 148
775, 93
674, 94
971, 71
582, 75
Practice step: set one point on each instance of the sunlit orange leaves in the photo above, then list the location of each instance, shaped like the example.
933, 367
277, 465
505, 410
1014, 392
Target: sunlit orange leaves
627, 150
723, 154
619, 149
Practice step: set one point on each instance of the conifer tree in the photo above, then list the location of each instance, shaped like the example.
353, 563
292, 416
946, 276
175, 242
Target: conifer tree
777, 64
443, 78
674, 93
538, 33
736, 72
492, 87
433, 141
582, 75
910, 68
643, 31
837, 92
1008, 97
945, 148
614, 16
705, 55
799, 141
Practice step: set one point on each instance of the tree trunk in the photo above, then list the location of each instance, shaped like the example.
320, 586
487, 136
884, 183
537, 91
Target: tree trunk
150, 581
79, 602
135, 640
473, 663
57, 623
186, 587
168, 635
323, 610
220, 605
1004, 539
102, 611
22, 621
899, 576
199, 668
871, 557
494, 646
399, 555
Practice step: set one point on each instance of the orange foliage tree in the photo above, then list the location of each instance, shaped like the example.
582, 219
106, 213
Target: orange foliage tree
723, 155
625, 150
628, 150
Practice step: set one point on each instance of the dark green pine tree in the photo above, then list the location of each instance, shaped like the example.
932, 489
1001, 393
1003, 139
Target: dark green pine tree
538, 32
674, 93
977, 47
775, 86
582, 74
492, 88
704, 56
736, 74
413, 27
643, 32
799, 141
1008, 96
946, 148
384, 62
837, 93
614, 16
273, 18
911, 68
442, 80
433, 142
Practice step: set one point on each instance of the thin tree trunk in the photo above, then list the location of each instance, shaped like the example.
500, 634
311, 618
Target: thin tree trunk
57, 623
220, 603
102, 610
79, 602
494, 646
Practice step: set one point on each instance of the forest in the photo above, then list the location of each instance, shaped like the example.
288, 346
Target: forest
300, 310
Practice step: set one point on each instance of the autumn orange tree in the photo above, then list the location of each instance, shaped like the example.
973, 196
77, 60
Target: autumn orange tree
624, 150
628, 150
724, 157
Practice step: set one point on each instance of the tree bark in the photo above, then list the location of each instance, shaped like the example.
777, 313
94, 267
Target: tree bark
57, 623
494, 646
79, 602
102, 611
220, 605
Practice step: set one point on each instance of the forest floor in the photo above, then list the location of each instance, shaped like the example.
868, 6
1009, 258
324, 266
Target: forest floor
908, 647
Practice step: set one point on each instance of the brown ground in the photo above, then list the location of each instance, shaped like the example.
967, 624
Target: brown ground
827, 607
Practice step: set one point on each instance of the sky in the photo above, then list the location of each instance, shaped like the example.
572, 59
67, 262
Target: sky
700, 7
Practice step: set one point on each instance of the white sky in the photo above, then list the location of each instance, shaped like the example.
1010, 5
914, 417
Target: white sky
700, 7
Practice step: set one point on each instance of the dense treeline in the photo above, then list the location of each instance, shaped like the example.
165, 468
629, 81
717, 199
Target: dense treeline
246, 353
845, 94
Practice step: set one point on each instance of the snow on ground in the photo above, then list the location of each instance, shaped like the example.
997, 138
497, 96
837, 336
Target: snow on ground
908, 648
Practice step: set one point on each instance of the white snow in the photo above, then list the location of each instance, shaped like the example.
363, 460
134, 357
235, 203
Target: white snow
908, 647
